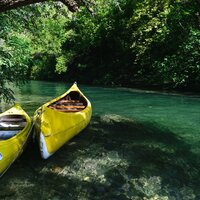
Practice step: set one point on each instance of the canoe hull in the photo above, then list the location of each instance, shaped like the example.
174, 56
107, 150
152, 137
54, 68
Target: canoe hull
54, 128
12, 148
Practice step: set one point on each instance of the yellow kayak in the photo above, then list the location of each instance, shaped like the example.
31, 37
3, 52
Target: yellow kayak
15, 127
60, 119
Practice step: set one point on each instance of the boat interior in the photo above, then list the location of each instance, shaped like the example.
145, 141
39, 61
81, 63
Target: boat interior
72, 102
11, 125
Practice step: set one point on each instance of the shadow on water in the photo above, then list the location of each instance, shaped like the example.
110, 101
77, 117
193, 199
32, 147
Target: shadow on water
114, 158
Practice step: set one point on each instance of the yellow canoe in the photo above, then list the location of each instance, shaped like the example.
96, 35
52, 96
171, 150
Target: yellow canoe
60, 119
15, 127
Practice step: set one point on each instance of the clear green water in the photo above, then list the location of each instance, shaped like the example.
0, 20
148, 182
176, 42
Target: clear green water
139, 145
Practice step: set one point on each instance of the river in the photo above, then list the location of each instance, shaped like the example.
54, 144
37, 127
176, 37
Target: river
139, 145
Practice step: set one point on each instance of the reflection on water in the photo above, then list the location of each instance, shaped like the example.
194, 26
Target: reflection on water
139, 145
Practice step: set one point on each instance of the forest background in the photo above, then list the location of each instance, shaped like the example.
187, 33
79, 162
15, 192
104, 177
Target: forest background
130, 43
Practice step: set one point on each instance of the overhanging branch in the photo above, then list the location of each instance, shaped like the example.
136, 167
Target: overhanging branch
73, 5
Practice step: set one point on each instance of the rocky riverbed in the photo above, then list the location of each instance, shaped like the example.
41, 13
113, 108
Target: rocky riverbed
114, 158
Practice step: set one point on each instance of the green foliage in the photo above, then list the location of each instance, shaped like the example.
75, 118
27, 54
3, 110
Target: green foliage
48, 33
127, 43
43, 67
31, 41
149, 25
48, 30
14, 57
183, 67
61, 64
100, 44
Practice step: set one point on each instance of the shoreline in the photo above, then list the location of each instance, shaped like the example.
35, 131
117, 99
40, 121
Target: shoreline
150, 89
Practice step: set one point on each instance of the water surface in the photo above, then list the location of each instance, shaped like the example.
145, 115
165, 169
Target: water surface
139, 145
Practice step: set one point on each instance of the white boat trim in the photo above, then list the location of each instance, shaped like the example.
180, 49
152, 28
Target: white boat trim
43, 148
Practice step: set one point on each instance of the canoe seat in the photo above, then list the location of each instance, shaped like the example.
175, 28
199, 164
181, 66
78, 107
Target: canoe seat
64, 108
12, 118
73, 102
10, 128
7, 134
12, 125
68, 105
69, 101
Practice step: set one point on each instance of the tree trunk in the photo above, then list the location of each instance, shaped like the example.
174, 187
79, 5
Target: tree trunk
12, 4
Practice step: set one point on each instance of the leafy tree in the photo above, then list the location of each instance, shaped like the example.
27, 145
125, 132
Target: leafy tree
36, 30
125, 39
182, 69
48, 36
127, 43
14, 56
